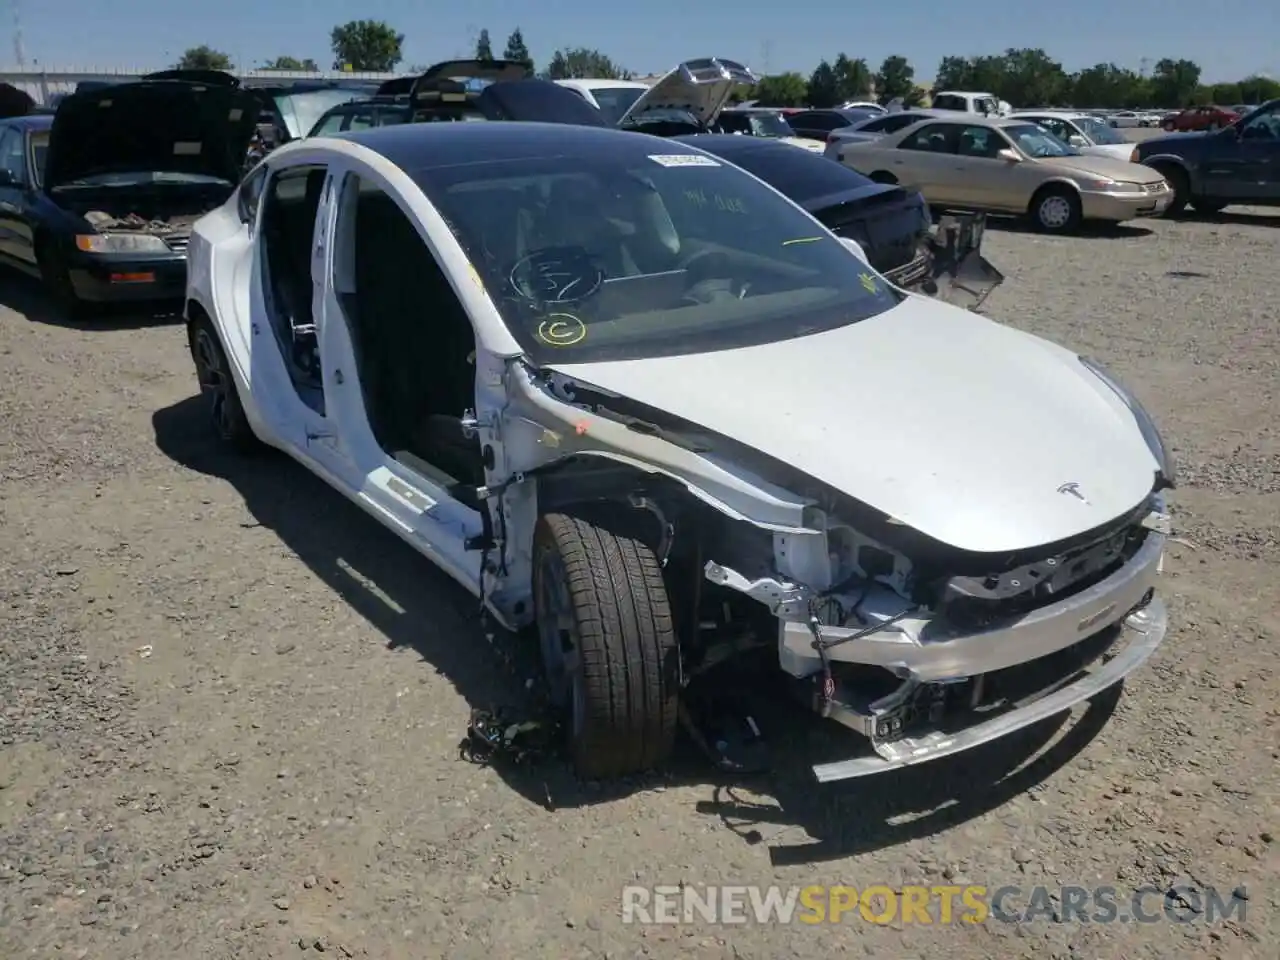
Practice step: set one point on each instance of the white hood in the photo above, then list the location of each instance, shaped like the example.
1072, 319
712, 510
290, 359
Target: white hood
959, 427
1117, 151
812, 146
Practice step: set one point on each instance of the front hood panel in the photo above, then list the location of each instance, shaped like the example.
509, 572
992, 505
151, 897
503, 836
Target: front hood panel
959, 427
699, 87
1108, 167
1115, 151
813, 146
161, 125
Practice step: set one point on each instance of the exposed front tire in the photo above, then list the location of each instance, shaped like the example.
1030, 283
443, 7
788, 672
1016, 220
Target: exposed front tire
218, 386
1181, 186
609, 645
1056, 209
1168, 126
56, 276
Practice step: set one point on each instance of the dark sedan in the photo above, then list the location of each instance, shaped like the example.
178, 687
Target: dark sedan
891, 224
1209, 171
98, 199
818, 124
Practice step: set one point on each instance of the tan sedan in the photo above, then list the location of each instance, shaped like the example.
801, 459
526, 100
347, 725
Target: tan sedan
1009, 166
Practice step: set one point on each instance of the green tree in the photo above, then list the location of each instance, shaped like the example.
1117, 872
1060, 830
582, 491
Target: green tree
896, 78
1029, 77
1225, 94
582, 63
953, 74
366, 45
517, 51
1174, 82
203, 58
1259, 90
291, 63
853, 78
824, 90
484, 49
782, 90
1108, 86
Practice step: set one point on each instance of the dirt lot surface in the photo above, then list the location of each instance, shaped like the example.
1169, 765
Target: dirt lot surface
230, 704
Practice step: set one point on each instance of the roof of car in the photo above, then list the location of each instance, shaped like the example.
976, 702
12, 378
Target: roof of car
603, 84
31, 121
424, 145
1064, 114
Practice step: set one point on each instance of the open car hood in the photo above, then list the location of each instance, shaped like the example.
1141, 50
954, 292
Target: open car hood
959, 427
490, 71
151, 125
15, 102
697, 87
213, 78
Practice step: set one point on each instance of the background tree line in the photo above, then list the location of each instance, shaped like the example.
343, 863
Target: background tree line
1024, 77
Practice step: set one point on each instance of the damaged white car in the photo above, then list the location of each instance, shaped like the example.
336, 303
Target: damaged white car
633, 397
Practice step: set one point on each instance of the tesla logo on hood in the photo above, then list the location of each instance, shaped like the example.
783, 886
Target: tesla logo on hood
1073, 489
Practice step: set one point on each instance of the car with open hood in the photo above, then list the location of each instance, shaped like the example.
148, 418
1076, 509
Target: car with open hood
99, 198
1009, 166
663, 417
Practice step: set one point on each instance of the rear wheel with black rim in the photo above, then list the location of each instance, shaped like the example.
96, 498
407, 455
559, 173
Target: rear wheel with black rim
608, 643
1056, 209
218, 387
56, 276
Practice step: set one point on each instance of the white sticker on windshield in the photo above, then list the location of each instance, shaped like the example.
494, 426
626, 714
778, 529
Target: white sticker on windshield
683, 160
235, 115
187, 148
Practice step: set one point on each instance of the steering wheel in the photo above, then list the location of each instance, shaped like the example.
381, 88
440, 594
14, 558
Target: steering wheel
554, 276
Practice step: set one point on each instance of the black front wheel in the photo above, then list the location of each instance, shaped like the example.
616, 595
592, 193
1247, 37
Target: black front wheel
1181, 187
56, 276
608, 640
1208, 207
218, 386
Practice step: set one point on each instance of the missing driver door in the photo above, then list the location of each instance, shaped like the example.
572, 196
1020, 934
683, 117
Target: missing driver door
393, 384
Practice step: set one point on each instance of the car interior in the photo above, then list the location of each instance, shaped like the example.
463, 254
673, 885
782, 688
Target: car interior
414, 345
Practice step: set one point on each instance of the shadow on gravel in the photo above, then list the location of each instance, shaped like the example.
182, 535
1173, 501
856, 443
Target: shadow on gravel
1090, 229
26, 296
415, 605
1230, 219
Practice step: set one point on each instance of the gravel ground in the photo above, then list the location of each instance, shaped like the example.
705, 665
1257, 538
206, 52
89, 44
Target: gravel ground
230, 704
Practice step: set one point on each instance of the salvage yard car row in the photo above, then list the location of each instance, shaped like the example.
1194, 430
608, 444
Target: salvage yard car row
609, 419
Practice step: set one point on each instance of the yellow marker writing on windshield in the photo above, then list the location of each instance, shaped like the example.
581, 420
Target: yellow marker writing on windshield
562, 330
868, 282
787, 243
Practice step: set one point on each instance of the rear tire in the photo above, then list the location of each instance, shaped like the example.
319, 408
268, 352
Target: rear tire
56, 276
1056, 209
1181, 186
883, 176
609, 645
1168, 126
218, 385
1208, 207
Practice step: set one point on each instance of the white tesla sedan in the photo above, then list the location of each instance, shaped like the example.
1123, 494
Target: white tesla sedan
632, 397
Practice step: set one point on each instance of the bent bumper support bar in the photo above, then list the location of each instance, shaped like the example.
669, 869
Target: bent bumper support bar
1144, 630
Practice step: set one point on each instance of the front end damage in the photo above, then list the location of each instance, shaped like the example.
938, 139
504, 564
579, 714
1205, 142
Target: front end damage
923, 649
951, 266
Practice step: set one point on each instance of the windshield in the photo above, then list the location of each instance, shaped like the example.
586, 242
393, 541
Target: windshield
1036, 141
300, 111
755, 124
622, 255
615, 101
1098, 132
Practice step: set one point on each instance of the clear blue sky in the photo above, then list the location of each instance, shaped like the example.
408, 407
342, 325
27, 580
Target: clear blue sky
1228, 38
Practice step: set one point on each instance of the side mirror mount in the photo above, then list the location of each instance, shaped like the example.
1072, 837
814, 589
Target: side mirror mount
1009, 155
856, 248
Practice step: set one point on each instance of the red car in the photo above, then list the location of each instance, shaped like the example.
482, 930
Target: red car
1200, 118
